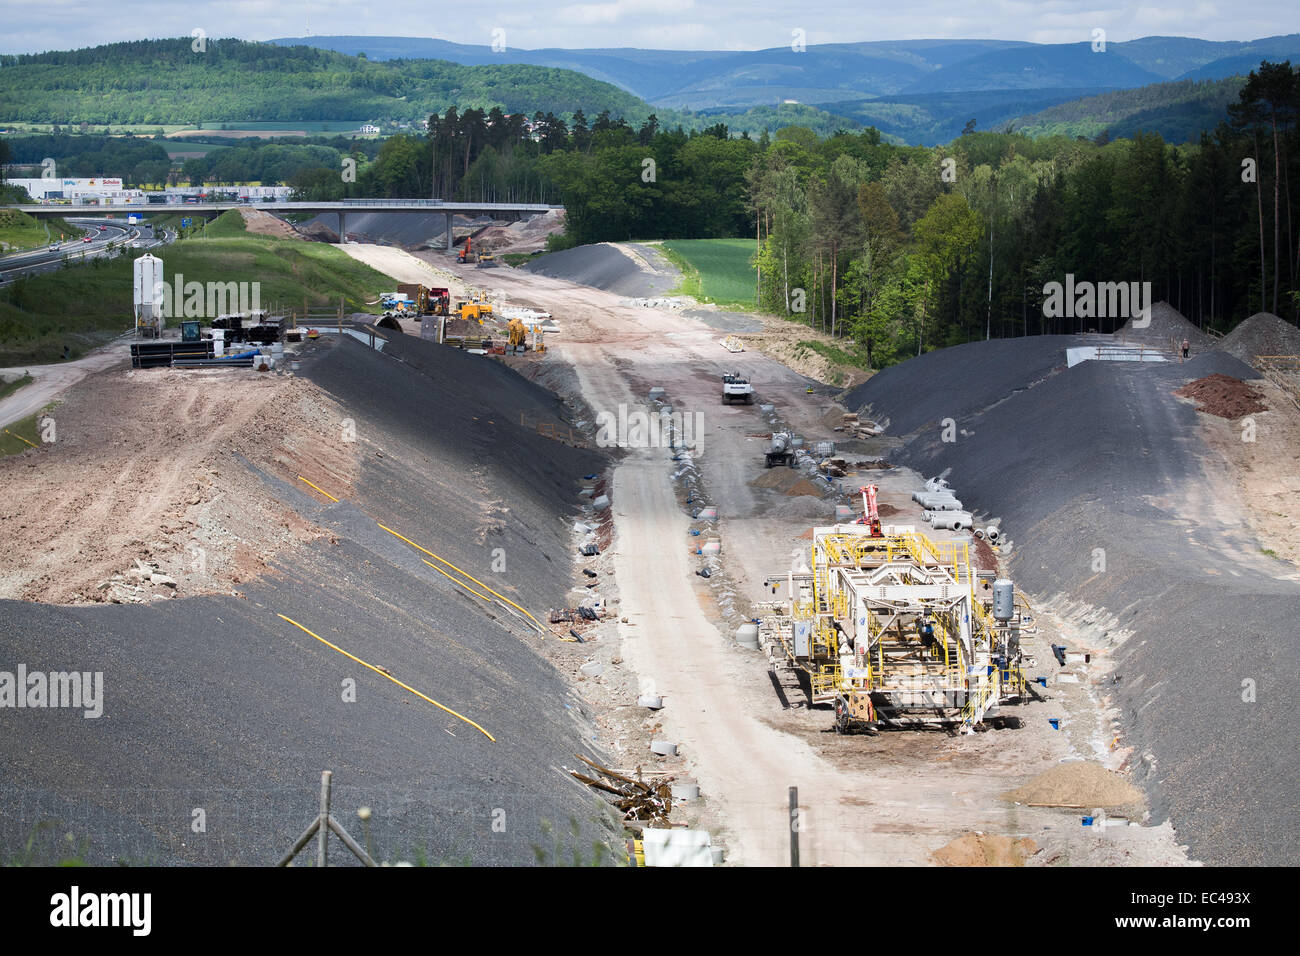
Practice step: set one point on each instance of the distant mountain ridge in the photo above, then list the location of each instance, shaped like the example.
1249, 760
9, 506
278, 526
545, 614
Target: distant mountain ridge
837, 73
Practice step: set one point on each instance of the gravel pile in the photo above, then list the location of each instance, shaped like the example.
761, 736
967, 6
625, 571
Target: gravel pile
1168, 325
1261, 334
603, 266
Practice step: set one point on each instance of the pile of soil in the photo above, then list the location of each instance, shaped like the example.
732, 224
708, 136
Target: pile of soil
804, 487
985, 559
1079, 784
1261, 334
782, 478
1223, 395
261, 223
982, 849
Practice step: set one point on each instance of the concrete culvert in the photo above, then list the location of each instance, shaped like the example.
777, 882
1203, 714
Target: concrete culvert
663, 748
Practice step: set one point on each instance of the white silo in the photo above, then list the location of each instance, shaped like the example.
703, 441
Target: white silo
149, 318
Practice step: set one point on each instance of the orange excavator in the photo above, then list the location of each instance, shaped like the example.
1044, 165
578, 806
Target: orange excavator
870, 513
467, 254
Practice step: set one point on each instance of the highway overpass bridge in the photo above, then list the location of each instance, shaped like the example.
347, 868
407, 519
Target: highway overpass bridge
418, 207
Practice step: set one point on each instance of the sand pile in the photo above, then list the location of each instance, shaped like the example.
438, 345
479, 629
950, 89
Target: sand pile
982, 849
1261, 334
782, 478
1080, 784
1223, 395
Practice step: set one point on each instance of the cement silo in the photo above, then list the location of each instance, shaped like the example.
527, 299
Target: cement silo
149, 295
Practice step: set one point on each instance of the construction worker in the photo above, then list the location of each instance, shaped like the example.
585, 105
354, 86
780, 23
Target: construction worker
1186, 347
927, 634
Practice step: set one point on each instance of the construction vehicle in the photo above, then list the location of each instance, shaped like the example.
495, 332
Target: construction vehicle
892, 631
518, 335
425, 300
870, 513
475, 309
486, 261
736, 386
780, 452
467, 253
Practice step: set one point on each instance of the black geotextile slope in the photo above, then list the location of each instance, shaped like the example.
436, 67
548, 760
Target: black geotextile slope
448, 465
217, 704
957, 382
1102, 461
602, 267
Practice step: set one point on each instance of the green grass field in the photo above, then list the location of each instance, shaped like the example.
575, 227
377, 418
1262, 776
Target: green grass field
84, 306
714, 270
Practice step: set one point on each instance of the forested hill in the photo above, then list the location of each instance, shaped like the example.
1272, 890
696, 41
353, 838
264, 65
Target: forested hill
171, 82
1179, 112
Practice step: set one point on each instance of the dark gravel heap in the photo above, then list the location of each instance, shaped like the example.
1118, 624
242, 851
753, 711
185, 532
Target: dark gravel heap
603, 267
1104, 456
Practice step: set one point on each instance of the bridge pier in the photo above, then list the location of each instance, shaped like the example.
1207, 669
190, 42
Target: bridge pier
451, 243
343, 227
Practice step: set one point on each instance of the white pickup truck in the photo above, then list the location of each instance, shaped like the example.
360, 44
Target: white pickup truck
736, 386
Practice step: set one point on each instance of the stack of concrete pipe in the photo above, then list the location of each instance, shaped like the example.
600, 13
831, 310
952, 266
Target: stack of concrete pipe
937, 500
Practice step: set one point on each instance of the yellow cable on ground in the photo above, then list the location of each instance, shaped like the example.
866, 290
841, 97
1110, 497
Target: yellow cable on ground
20, 438
321, 490
390, 677
455, 581
466, 573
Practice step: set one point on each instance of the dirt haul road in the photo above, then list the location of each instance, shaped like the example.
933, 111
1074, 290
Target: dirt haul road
889, 800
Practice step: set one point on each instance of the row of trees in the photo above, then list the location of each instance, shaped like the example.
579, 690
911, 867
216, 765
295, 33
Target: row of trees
904, 249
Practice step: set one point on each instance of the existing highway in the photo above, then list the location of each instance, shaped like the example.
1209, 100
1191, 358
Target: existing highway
106, 237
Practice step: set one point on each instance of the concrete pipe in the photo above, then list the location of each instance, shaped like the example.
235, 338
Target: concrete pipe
650, 701
685, 791
747, 633
592, 668
601, 503
953, 520
663, 748
994, 533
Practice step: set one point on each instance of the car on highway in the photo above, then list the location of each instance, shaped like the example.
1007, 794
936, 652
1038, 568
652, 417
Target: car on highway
102, 228
85, 238
55, 246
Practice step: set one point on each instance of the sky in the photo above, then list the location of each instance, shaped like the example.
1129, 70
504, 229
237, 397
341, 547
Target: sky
662, 24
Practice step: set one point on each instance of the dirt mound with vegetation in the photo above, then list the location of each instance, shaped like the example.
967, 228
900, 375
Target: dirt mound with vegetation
1080, 784
1261, 334
1223, 395
261, 223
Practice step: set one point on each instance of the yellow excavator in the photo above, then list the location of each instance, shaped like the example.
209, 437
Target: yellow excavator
518, 334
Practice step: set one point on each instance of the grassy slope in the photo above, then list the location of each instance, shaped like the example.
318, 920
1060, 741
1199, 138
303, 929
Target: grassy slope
715, 270
86, 305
